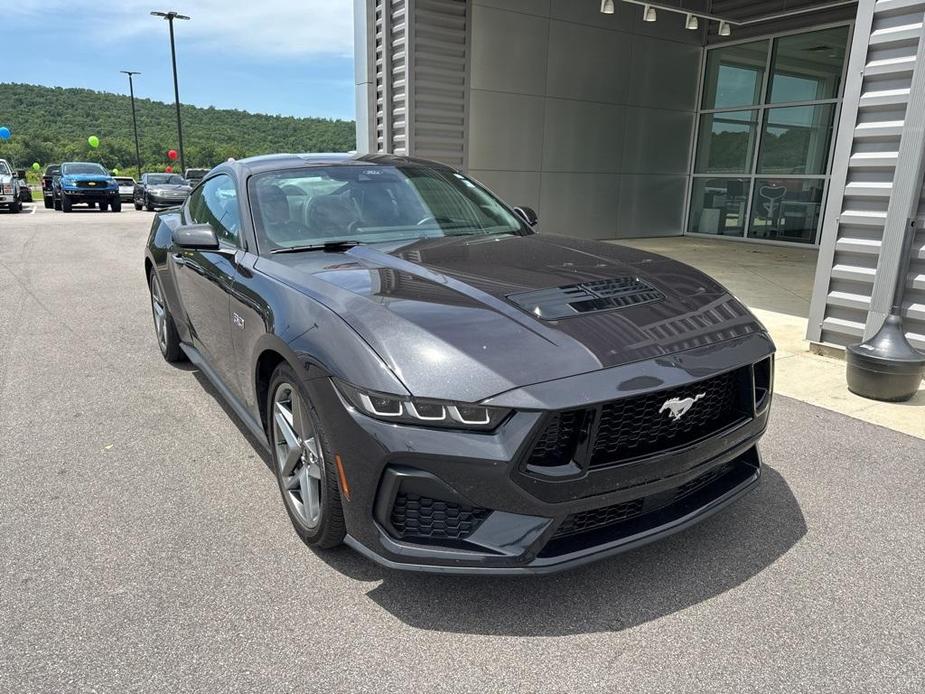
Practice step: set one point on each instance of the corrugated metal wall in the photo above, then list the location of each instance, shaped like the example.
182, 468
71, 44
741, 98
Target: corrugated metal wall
876, 160
421, 72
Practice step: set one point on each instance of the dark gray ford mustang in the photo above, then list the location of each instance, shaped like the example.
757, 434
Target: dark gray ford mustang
443, 388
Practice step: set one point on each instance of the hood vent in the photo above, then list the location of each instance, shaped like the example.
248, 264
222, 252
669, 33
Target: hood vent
587, 297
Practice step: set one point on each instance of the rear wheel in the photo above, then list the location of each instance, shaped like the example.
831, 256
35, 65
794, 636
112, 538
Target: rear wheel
304, 463
167, 339
65, 203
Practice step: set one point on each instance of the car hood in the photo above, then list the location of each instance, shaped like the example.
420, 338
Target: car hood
469, 317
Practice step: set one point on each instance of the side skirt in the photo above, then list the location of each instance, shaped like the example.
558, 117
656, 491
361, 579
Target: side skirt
233, 402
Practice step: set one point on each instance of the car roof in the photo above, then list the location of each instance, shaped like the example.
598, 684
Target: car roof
277, 162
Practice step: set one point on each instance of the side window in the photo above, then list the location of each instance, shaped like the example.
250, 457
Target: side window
215, 203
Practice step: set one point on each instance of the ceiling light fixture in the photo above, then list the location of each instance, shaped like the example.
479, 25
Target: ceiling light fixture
648, 13
725, 29
692, 22
607, 7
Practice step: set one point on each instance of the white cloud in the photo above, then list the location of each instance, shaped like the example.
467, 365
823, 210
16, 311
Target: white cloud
283, 28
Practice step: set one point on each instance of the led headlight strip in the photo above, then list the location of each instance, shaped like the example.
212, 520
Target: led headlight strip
422, 412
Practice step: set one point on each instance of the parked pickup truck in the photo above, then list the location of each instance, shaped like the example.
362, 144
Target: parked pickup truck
9, 188
85, 182
48, 193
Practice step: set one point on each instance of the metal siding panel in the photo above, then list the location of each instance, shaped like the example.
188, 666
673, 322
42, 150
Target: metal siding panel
859, 250
439, 81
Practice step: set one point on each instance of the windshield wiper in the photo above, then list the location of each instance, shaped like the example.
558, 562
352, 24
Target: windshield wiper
328, 247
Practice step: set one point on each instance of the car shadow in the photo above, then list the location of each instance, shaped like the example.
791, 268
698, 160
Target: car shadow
207, 386
665, 577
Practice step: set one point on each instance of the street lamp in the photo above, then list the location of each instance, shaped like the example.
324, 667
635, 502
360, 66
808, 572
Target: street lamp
170, 16
131, 91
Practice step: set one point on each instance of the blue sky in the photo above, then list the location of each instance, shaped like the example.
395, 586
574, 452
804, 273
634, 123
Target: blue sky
290, 57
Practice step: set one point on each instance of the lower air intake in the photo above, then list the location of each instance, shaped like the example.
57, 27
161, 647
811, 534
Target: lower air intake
420, 517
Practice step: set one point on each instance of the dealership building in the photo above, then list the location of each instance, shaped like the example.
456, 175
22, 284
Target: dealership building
796, 122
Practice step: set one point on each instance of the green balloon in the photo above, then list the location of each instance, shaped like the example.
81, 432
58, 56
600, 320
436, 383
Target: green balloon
94, 141
36, 166
115, 172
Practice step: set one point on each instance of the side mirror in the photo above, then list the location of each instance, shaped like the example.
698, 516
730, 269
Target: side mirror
196, 236
527, 214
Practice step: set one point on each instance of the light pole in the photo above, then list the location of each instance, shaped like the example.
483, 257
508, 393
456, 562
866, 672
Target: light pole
131, 91
170, 16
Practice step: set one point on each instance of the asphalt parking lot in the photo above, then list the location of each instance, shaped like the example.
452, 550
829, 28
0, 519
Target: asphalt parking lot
144, 547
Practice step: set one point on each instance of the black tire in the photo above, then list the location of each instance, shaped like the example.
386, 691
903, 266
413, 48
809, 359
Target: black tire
169, 342
148, 206
331, 529
116, 205
49, 203
103, 205
91, 205
16, 207
138, 206
56, 203
65, 203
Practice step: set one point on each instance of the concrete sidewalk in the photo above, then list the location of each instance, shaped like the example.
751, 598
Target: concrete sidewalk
776, 283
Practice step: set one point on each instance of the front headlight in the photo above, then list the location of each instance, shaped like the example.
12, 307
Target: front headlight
68, 183
422, 412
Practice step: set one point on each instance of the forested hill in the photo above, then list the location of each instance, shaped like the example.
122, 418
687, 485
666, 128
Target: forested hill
52, 124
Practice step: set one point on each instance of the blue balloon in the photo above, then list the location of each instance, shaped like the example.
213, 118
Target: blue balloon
4, 133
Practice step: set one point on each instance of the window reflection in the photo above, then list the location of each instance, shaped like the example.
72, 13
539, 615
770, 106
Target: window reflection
808, 67
727, 142
786, 209
718, 206
796, 140
734, 75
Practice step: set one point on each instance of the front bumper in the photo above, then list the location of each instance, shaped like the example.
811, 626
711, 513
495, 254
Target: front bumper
166, 200
79, 195
492, 514
7, 199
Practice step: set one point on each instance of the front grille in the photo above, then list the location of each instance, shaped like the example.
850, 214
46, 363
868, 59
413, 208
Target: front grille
91, 184
595, 519
644, 425
634, 427
558, 440
420, 517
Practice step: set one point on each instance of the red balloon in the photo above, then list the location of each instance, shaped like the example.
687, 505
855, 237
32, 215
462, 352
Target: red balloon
169, 169
171, 154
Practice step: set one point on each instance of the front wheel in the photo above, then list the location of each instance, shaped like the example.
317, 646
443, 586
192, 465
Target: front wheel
138, 205
103, 205
49, 203
65, 203
304, 462
16, 207
167, 338
148, 206
116, 205
56, 203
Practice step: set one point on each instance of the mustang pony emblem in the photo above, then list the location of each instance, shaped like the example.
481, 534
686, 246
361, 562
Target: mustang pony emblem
678, 407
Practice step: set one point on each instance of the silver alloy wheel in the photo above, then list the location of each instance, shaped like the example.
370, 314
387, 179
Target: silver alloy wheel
160, 313
298, 455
